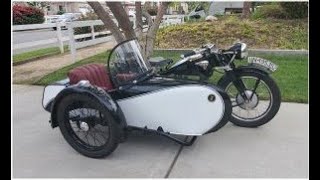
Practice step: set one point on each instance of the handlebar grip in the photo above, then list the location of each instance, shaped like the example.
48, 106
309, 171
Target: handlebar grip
188, 54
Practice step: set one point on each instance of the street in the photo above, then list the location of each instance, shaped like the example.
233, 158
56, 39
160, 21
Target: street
34, 35
278, 149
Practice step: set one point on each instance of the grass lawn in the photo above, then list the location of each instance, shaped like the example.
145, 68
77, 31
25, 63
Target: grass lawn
291, 75
62, 73
37, 54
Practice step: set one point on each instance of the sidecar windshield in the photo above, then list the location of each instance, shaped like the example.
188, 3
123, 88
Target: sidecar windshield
126, 63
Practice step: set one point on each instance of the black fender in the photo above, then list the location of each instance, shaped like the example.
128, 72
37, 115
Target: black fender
248, 68
99, 94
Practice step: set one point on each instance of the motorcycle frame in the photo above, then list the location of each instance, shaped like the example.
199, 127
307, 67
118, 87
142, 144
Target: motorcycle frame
217, 61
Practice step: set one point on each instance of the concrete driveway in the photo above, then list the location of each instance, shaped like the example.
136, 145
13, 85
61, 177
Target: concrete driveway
277, 150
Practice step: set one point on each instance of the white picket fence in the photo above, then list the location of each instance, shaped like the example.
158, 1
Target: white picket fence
73, 44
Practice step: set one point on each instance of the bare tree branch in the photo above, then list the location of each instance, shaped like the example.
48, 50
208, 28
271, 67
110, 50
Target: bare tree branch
106, 19
161, 10
146, 40
139, 24
150, 37
122, 18
148, 17
138, 14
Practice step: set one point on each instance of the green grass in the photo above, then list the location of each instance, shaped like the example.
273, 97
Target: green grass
62, 73
291, 75
37, 54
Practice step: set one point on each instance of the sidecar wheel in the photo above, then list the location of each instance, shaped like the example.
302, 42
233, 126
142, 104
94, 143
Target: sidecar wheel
87, 126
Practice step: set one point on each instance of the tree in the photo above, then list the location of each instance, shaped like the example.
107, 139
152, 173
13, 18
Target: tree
40, 5
246, 9
146, 40
295, 9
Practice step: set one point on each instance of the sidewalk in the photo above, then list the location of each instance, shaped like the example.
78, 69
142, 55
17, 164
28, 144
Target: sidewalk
33, 71
278, 149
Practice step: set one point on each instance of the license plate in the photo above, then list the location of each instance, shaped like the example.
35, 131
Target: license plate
263, 62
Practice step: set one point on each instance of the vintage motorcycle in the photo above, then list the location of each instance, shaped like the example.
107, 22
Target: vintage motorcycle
98, 105
254, 94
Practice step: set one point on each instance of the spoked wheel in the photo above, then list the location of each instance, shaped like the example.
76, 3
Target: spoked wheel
87, 126
264, 99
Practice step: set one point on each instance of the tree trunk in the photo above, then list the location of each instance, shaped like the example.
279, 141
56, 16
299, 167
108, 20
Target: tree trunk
106, 19
122, 18
146, 40
246, 9
139, 24
151, 34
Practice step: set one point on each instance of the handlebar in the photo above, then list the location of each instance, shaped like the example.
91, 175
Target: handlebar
204, 48
199, 53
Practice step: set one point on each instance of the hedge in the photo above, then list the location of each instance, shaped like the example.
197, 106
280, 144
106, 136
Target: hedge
295, 9
27, 15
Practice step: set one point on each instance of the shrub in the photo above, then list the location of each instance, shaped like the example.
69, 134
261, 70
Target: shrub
262, 33
269, 11
26, 15
295, 9
87, 29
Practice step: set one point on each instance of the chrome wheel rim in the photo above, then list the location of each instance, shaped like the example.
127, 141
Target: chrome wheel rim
260, 99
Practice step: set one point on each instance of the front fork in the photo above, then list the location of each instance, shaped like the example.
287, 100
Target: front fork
238, 83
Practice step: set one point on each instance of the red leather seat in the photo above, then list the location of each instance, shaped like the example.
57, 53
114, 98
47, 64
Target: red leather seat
96, 74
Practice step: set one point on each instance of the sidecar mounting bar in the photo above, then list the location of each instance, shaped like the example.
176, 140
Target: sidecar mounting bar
167, 135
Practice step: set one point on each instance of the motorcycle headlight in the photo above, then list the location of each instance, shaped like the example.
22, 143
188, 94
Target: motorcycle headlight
244, 51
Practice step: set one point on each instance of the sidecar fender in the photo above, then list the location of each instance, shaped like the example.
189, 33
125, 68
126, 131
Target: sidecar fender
102, 96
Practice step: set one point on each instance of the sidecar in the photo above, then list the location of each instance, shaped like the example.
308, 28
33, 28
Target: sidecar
99, 104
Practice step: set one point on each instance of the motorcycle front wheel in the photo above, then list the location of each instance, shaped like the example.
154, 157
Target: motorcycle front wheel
263, 103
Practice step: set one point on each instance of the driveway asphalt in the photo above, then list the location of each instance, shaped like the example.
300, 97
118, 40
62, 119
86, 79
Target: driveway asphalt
278, 149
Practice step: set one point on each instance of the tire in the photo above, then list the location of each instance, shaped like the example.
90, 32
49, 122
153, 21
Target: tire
72, 103
274, 104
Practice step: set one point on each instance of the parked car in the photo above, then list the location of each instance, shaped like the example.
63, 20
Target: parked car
51, 18
197, 13
66, 17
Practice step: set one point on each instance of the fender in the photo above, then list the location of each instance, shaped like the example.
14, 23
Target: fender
248, 68
102, 96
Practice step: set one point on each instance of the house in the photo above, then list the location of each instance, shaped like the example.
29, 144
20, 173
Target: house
69, 7
225, 7
181, 8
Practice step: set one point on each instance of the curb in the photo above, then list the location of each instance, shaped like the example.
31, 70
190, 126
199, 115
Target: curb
258, 51
33, 59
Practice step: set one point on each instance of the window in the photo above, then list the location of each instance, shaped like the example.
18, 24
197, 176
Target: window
48, 8
60, 8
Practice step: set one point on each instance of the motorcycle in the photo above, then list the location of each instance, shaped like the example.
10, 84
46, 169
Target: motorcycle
98, 105
254, 94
